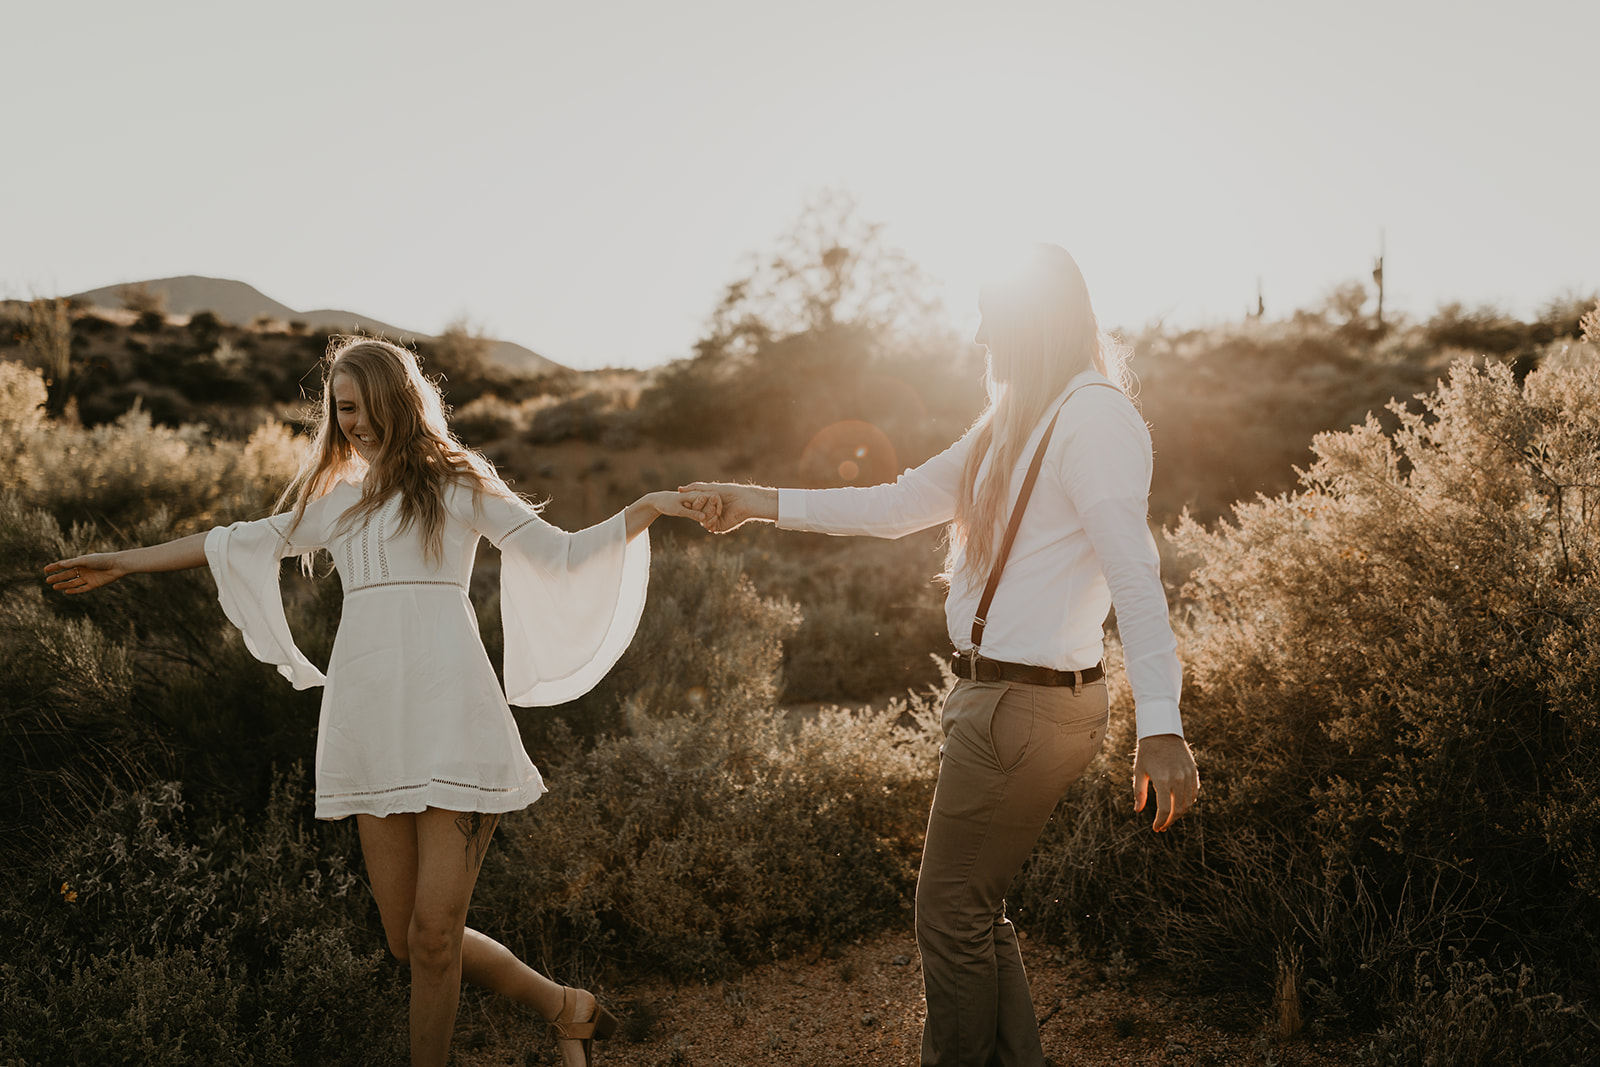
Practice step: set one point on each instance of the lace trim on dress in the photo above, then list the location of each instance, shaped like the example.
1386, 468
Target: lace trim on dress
403, 581
424, 785
514, 529
383, 523
373, 526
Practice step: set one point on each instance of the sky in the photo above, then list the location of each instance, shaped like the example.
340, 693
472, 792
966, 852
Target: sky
586, 178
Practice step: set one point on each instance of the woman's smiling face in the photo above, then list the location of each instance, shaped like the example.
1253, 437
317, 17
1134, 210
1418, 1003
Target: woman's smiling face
351, 409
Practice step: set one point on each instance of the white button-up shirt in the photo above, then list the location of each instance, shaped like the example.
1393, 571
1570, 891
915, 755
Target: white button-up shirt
1084, 545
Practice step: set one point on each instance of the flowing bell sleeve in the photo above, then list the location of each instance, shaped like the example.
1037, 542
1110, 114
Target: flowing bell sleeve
244, 561
570, 602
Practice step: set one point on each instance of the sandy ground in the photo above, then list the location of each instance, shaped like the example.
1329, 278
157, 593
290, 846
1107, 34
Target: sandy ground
862, 1004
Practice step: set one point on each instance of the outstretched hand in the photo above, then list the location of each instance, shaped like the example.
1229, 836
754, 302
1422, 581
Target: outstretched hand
83, 573
1163, 763
737, 504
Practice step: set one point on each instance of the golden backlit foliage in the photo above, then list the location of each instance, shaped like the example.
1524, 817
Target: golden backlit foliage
1393, 684
126, 472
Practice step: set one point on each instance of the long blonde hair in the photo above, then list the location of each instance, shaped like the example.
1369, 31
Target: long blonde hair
1041, 333
418, 456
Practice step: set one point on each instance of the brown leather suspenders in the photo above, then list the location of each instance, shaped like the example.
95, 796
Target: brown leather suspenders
979, 620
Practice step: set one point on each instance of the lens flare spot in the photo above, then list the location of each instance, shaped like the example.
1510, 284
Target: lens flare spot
696, 696
848, 453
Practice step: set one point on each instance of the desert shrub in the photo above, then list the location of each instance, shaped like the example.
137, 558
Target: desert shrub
175, 1006
1393, 674
708, 645
1487, 330
143, 875
143, 679
44, 334
143, 300
1233, 409
65, 685
486, 419
205, 328
147, 936
126, 472
461, 358
872, 611
688, 848
22, 399
325, 1004
581, 416
98, 368
1471, 1014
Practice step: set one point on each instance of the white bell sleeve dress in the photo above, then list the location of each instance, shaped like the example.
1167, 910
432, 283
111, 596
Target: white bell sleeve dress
412, 715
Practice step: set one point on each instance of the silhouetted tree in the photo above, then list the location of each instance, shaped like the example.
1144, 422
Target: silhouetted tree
831, 268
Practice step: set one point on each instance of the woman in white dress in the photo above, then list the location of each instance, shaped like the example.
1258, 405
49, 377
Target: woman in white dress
1029, 712
415, 737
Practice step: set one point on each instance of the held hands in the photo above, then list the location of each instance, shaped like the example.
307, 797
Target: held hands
737, 504
83, 573
1163, 763
702, 507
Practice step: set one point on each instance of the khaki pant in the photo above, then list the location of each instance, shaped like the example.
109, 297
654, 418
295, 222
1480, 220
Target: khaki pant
1010, 752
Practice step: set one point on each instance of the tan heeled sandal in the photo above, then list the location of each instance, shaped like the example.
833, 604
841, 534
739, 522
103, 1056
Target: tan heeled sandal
596, 1028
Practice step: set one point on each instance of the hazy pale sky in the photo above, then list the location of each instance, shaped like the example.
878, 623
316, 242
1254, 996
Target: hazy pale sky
584, 178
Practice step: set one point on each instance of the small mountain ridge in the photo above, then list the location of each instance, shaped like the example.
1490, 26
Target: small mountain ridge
241, 303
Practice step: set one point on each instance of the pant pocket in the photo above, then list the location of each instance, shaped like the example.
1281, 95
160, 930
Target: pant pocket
968, 711
1011, 726
1078, 720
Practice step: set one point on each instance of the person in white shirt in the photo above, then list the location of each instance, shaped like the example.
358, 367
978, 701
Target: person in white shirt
1030, 709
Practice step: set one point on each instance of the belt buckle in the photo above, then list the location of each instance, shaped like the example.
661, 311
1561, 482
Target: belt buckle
971, 659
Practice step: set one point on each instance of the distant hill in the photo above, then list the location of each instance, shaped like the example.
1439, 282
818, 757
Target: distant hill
239, 303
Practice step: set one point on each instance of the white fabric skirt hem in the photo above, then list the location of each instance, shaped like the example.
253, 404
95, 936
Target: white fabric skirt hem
451, 796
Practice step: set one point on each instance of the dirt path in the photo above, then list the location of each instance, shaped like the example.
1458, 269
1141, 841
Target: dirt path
863, 1006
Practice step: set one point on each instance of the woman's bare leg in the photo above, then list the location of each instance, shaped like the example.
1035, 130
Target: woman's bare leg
399, 851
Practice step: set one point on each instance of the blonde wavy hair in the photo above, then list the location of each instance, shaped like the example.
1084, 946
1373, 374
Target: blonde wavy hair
1041, 332
418, 456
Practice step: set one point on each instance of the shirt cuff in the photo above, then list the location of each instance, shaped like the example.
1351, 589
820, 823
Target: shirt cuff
791, 509
1158, 717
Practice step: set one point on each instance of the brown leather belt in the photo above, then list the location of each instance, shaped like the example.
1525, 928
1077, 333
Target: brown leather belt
980, 669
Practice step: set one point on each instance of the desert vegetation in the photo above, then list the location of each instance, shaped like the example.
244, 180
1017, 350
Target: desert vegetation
1381, 545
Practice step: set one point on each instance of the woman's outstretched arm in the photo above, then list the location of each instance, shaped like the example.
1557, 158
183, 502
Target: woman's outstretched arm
83, 573
703, 507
